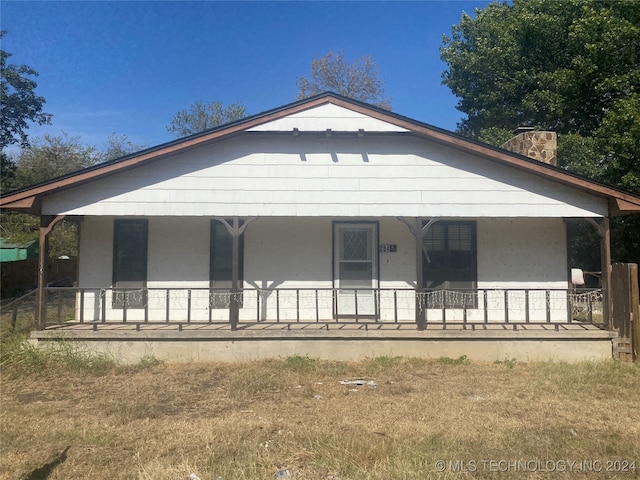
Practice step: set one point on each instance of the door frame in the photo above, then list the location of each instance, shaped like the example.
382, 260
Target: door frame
375, 257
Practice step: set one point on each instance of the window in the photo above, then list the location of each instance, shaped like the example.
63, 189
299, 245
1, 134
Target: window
130, 263
221, 264
449, 260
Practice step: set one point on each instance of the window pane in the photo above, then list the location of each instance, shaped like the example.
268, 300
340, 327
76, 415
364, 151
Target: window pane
221, 264
449, 258
355, 275
434, 240
354, 245
221, 252
459, 237
460, 261
130, 251
130, 263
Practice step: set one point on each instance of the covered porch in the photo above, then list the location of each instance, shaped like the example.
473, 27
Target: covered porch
280, 298
419, 272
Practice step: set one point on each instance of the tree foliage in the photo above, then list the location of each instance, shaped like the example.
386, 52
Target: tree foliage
46, 158
19, 103
572, 67
117, 146
201, 116
557, 65
359, 79
7, 171
49, 157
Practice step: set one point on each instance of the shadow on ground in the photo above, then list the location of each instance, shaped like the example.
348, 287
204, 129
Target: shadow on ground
44, 471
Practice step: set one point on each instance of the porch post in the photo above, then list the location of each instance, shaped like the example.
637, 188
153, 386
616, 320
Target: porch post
420, 303
234, 304
602, 227
605, 260
47, 223
419, 231
235, 230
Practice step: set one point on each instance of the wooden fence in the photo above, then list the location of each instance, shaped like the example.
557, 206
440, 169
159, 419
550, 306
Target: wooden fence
21, 276
626, 309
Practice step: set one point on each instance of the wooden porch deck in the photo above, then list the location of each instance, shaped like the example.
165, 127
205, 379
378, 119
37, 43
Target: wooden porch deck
326, 329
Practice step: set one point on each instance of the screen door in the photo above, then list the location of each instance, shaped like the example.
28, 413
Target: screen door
355, 253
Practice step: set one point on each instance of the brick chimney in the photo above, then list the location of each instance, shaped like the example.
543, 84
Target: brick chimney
541, 146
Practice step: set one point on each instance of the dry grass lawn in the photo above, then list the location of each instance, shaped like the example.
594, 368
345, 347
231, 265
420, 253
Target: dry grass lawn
250, 420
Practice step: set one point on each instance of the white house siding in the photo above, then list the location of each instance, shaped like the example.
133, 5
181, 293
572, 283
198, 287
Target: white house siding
397, 271
519, 253
95, 263
513, 254
178, 257
296, 253
311, 176
324, 117
288, 254
96, 252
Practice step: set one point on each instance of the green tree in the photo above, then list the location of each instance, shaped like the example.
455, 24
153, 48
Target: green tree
7, 171
201, 116
19, 105
49, 157
572, 67
359, 79
557, 65
117, 146
46, 158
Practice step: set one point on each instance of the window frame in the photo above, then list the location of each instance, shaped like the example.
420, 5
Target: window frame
220, 295
122, 296
460, 297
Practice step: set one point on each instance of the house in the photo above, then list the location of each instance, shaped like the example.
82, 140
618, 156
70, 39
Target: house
328, 221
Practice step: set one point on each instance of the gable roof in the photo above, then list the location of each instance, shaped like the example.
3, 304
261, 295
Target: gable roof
29, 199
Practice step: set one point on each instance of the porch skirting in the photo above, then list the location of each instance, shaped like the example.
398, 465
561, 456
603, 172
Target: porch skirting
206, 343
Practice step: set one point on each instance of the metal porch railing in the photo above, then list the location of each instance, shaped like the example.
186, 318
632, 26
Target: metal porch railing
440, 308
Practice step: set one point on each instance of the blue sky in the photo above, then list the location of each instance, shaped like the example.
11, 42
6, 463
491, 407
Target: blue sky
128, 67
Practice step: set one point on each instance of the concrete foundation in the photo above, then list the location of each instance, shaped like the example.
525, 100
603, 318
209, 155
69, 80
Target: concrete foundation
197, 345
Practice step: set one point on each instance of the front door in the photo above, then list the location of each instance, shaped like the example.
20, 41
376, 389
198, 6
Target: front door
356, 269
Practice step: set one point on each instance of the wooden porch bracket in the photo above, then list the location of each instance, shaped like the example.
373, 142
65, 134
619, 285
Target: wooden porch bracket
47, 222
418, 230
235, 229
602, 227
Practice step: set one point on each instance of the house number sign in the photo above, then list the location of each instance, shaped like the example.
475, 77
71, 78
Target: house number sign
388, 248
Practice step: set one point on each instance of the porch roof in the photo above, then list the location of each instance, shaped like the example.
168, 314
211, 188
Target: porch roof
29, 199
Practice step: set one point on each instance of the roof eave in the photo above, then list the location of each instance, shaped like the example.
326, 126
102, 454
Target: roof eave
28, 204
619, 207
